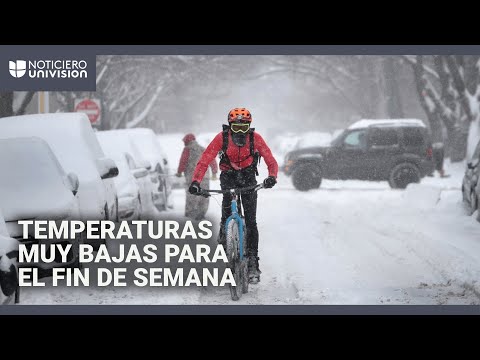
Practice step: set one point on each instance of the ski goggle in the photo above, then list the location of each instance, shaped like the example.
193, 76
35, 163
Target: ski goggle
240, 127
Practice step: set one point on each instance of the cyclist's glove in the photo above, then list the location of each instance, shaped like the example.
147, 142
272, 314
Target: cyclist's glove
269, 182
194, 188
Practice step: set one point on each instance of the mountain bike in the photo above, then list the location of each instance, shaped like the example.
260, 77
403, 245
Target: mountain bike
236, 244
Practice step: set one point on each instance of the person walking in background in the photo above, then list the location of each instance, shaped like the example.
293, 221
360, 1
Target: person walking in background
438, 158
195, 206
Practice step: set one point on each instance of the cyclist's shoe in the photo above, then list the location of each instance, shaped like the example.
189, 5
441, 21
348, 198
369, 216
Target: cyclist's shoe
253, 269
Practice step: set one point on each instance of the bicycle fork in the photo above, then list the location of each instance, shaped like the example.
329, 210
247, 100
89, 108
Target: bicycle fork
236, 217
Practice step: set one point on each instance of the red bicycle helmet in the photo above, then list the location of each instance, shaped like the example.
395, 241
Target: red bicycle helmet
239, 114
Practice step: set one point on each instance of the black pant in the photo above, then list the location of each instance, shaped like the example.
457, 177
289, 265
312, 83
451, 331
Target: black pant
237, 179
438, 157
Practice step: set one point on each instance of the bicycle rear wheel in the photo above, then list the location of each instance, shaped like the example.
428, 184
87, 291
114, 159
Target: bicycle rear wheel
234, 263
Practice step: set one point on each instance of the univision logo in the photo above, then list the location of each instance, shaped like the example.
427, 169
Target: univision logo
42, 69
17, 68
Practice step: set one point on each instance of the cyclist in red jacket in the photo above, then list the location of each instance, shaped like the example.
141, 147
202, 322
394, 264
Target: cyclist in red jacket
240, 148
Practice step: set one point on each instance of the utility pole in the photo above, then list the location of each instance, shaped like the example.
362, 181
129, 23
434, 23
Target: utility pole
43, 102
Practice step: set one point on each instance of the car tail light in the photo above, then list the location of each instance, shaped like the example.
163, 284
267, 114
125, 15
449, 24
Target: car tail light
288, 164
429, 152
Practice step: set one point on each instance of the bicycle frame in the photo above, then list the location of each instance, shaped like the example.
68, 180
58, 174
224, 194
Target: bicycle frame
236, 217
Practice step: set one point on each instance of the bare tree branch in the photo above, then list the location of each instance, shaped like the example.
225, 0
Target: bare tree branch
104, 69
412, 60
140, 117
321, 76
26, 100
459, 85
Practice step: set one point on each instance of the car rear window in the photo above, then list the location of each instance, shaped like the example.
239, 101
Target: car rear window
413, 137
383, 137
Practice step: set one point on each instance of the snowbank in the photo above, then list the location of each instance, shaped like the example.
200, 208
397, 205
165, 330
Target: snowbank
420, 196
455, 171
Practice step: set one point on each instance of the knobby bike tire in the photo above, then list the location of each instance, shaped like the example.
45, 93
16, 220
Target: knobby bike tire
238, 267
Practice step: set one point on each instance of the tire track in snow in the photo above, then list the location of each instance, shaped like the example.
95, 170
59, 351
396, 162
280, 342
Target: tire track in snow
433, 257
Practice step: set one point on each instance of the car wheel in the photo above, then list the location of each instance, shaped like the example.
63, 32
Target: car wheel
473, 203
107, 213
306, 177
164, 194
80, 239
403, 174
464, 196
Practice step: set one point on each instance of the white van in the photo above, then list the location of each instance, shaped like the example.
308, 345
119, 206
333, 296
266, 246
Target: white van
76, 147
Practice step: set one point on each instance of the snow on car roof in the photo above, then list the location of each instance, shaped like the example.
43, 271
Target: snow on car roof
364, 123
32, 180
119, 141
146, 140
62, 132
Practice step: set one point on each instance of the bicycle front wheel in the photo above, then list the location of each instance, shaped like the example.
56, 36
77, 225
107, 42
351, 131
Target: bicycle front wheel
233, 255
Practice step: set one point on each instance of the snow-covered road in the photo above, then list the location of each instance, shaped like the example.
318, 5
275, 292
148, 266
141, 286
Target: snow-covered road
346, 243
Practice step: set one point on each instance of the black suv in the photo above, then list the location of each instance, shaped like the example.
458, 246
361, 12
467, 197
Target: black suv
399, 151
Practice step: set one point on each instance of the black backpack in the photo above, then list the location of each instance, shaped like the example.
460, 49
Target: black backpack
223, 153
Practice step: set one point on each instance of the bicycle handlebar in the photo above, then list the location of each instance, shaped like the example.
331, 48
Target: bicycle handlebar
206, 193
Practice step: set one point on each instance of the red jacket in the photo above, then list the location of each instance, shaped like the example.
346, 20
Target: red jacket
239, 156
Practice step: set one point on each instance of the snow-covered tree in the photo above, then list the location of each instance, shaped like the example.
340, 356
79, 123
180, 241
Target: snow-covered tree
366, 84
14, 103
449, 91
128, 86
133, 89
